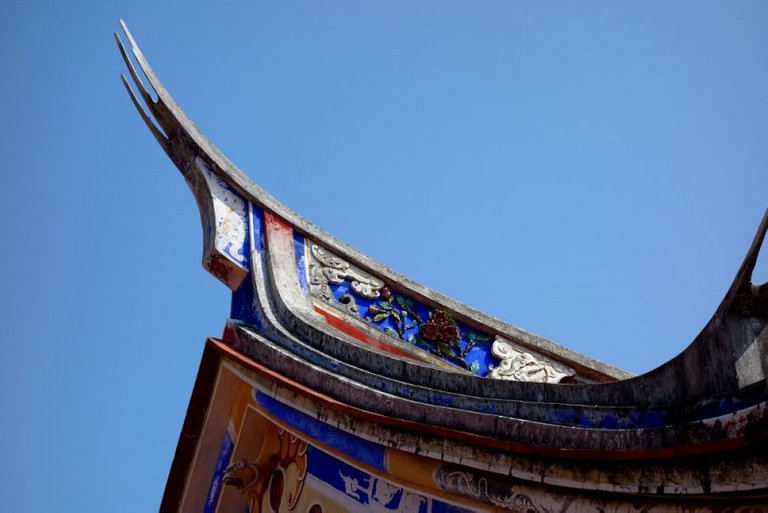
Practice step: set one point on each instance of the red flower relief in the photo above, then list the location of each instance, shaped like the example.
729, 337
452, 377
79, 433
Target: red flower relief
440, 328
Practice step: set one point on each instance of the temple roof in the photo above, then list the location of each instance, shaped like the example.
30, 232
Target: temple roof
359, 339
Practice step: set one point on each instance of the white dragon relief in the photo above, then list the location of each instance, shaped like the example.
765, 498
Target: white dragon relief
326, 268
521, 364
470, 485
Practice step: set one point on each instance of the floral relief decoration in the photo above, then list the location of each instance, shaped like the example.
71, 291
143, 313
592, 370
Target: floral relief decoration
433, 330
354, 291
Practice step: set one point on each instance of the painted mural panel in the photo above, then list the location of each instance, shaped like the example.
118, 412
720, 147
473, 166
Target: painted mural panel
275, 458
282, 452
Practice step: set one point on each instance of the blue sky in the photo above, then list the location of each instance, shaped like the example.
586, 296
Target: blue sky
592, 172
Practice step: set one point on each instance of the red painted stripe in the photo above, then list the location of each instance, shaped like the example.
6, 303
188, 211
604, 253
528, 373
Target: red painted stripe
362, 336
277, 227
276, 224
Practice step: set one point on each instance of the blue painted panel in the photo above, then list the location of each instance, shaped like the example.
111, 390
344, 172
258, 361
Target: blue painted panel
245, 306
300, 249
371, 492
257, 224
221, 465
353, 482
361, 450
404, 318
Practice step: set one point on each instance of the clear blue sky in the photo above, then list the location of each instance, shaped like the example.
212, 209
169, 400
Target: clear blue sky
590, 171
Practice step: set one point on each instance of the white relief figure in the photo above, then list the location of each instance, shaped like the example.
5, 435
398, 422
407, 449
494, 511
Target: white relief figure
352, 487
325, 268
519, 364
384, 492
383, 495
411, 503
521, 367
